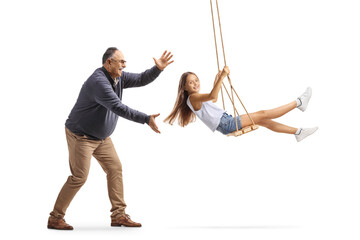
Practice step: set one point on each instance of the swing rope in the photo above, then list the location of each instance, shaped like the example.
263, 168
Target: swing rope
218, 65
217, 55
231, 86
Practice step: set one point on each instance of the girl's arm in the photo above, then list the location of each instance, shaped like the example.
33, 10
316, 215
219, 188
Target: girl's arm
215, 81
196, 99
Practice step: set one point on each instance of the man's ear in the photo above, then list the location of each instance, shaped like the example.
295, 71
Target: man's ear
108, 61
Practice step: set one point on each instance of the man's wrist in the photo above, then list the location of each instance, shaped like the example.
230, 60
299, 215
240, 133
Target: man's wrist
159, 68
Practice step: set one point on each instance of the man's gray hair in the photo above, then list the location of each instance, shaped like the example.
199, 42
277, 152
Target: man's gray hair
108, 54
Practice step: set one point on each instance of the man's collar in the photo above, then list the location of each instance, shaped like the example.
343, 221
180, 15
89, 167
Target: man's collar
111, 80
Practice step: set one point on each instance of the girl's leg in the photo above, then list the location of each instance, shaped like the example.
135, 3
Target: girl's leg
260, 116
277, 127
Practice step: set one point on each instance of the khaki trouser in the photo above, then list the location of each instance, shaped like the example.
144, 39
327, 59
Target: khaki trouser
80, 151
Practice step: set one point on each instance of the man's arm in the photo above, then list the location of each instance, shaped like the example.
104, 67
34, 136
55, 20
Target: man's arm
139, 79
142, 79
105, 96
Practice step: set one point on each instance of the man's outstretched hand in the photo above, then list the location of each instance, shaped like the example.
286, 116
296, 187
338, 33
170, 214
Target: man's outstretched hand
152, 123
164, 60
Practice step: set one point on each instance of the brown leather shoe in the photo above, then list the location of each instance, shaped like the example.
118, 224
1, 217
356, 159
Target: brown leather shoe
58, 223
124, 220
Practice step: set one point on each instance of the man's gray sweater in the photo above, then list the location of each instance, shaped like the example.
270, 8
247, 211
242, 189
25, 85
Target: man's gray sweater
99, 104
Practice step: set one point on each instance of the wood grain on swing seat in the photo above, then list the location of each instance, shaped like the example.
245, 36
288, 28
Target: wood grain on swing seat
243, 131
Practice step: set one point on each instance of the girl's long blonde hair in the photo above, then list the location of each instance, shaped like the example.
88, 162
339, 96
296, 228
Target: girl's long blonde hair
181, 110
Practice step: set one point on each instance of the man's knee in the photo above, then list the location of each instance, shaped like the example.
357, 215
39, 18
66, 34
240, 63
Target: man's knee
114, 171
117, 168
77, 181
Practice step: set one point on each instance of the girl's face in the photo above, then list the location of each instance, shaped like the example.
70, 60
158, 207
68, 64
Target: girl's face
192, 84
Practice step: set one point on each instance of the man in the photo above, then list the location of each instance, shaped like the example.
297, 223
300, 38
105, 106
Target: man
91, 122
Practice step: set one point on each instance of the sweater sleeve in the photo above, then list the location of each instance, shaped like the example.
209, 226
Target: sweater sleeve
140, 79
105, 96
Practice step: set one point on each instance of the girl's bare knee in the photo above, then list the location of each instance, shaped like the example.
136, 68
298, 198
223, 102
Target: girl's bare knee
264, 122
261, 115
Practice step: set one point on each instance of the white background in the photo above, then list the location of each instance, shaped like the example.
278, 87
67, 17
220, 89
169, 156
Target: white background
186, 182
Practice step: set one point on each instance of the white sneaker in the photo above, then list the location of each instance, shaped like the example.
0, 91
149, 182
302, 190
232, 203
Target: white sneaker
304, 99
305, 132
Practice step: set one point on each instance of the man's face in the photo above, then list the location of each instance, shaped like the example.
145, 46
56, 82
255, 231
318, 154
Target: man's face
116, 64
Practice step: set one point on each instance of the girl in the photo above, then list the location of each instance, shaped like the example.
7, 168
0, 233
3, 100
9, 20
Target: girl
190, 103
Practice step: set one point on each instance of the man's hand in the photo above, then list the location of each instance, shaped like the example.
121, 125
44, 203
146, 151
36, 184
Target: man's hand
163, 61
152, 123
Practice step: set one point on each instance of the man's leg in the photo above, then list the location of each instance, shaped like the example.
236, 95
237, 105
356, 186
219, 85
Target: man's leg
80, 152
110, 163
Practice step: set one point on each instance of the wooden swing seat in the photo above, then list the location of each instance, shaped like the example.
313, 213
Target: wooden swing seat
243, 131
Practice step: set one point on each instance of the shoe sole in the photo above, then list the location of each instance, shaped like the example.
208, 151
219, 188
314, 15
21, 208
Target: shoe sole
309, 90
119, 225
115, 225
51, 227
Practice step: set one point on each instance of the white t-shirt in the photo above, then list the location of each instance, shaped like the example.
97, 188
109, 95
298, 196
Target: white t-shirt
209, 113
